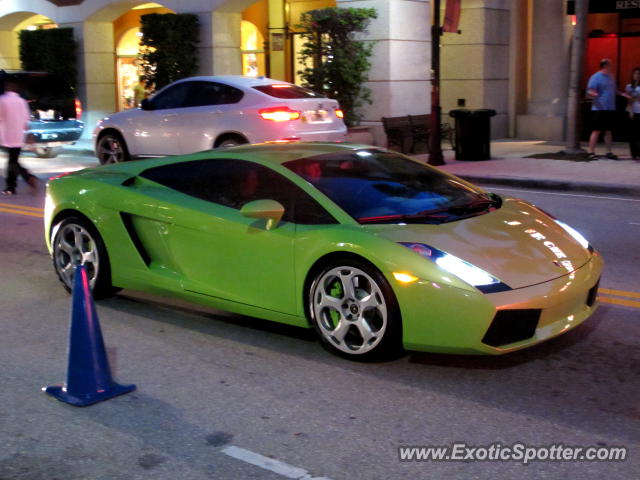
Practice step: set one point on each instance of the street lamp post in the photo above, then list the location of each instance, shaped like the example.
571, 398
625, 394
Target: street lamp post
435, 138
577, 63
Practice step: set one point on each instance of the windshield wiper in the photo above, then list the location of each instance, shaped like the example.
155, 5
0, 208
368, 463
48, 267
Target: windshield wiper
438, 214
477, 205
434, 214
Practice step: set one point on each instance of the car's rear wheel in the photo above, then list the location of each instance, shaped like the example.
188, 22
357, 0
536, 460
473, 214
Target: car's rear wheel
111, 148
354, 311
230, 141
77, 242
47, 152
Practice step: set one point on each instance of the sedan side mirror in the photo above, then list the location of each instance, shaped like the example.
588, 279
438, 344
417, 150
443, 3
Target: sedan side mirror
145, 104
270, 210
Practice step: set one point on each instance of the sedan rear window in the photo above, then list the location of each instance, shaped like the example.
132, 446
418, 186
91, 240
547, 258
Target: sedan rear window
283, 90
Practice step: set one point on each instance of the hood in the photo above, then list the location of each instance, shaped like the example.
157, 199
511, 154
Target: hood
518, 244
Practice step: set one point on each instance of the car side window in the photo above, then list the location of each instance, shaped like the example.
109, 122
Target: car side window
172, 97
211, 93
234, 183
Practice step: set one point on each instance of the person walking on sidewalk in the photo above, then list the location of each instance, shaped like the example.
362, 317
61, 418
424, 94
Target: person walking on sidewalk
14, 119
633, 94
602, 89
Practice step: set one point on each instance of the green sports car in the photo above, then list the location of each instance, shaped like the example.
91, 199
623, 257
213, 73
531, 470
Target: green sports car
374, 250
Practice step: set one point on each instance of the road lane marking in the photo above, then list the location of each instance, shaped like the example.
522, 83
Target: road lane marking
266, 463
620, 301
21, 207
22, 212
619, 293
564, 194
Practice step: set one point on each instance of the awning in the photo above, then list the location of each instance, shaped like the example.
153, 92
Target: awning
630, 8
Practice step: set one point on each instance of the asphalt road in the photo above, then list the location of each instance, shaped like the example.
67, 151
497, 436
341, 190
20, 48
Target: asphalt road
229, 397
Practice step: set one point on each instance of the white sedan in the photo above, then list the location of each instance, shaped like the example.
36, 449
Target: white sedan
200, 113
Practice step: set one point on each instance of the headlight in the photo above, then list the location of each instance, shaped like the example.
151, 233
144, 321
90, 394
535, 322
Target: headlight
465, 271
575, 234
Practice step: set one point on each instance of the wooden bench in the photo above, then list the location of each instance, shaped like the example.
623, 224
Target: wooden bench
405, 132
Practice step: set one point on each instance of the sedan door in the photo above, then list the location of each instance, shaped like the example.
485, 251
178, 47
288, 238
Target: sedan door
159, 128
212, 110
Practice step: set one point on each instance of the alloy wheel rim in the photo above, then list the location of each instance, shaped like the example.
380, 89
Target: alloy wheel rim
74, 246
350, 310
111, 150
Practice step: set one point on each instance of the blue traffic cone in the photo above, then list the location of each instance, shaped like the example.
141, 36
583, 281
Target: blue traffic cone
88, 374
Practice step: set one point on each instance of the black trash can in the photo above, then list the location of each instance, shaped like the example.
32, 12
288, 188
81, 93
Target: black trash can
473, 133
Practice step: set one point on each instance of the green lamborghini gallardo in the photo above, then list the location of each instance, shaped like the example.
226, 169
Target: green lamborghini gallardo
374, 250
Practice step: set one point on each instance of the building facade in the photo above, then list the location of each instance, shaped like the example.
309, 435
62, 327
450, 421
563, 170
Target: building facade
511, 55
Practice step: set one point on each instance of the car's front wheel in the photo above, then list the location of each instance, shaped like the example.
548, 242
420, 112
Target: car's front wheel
76, 241
354, 310
47, 152
111, 148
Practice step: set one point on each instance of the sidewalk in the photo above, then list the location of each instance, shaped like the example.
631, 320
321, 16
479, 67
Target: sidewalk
509, 166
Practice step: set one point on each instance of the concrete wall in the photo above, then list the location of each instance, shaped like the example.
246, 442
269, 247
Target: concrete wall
399, 77
550, 42
475, 64
484, 65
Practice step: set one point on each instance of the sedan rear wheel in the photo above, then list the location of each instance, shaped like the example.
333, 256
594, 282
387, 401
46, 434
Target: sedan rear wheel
76, 242
47, 152
111, 149
354, 310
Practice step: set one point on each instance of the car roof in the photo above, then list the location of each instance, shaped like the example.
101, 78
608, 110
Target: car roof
236, 80
275, 153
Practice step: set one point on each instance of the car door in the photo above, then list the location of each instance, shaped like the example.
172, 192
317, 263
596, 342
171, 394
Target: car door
212, 110
158, 129
218, 251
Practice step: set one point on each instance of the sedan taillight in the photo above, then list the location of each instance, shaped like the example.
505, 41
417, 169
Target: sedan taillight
339, 113
78, 106
279, 114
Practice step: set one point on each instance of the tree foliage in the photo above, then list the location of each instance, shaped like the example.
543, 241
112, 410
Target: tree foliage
169, 47
337, 61
52, 50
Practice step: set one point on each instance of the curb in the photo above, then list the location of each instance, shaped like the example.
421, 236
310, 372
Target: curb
560, 185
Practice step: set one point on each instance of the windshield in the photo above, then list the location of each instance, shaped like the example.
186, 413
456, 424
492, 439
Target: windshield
375, 186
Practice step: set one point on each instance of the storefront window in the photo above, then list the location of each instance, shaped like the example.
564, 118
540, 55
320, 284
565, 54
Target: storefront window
130, 91
252, 45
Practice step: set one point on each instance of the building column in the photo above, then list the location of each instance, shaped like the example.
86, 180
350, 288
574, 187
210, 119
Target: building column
96, 71
225, 43
400, 65
9, 52
550, 56
277, 34
475, 63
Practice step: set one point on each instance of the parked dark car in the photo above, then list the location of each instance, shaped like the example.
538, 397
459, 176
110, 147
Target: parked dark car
55, 110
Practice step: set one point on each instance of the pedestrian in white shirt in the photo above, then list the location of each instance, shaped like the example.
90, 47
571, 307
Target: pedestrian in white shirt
14, 120
633, 94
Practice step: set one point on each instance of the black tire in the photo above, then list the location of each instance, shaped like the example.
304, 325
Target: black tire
75, 241
230, 141
47, 152
111, 148
372, 308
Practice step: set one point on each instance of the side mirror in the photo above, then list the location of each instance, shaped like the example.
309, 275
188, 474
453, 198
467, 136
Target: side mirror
270, 210
145, 104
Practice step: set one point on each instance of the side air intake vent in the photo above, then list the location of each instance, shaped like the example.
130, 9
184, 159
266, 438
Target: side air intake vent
128, 224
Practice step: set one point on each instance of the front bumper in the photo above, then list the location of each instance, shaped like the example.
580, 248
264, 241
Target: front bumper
444, 319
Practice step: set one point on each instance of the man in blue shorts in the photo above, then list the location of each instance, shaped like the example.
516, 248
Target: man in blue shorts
602, 89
